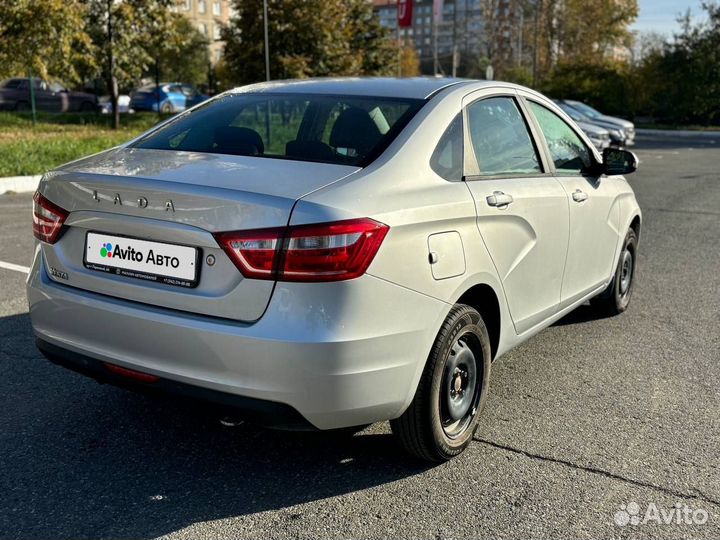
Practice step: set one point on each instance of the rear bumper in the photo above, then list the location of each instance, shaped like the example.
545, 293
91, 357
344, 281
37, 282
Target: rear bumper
340, 354
267, 413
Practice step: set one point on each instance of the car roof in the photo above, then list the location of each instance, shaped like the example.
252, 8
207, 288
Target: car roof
409, 87
152, 85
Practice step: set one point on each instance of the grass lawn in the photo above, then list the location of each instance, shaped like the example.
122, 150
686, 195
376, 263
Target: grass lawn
59, 138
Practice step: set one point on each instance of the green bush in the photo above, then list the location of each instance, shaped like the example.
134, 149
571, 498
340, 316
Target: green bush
603, 86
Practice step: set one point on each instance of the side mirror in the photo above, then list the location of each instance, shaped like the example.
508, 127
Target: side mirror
617, 161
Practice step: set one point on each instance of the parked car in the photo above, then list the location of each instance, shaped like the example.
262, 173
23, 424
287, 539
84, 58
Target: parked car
599, 136
329, 253
171, 97
622, 132
123, 105
49, 96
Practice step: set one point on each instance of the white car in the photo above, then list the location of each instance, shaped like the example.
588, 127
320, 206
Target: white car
622, 132
123, 105
334, 252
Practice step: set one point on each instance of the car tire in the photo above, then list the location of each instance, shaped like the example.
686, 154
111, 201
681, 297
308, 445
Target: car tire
166, 108
616, 297
442, 417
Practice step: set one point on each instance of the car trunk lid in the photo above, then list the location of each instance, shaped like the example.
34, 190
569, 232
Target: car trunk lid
173, 198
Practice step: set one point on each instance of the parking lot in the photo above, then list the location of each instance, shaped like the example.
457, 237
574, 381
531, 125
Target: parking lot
585, 419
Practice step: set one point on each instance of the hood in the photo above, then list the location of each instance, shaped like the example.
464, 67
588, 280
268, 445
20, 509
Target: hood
591, 128
625, 124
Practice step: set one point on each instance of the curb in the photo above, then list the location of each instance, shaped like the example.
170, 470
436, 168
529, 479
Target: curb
19, 184
679, 133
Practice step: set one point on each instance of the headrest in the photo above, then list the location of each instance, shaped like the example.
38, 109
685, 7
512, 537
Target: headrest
312, 150
354, 129
238, 140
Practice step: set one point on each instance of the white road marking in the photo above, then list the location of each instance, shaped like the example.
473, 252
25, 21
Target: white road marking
15, 267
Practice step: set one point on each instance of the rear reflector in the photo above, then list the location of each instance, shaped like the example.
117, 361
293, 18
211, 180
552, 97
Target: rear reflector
321, 252
131, 373
48, 219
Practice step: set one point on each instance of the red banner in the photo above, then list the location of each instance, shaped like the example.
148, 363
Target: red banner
404, 13
437, 11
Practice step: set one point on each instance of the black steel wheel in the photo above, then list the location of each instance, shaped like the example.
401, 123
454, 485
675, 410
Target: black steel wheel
441, 420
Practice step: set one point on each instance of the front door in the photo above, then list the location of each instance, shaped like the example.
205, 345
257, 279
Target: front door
594, 214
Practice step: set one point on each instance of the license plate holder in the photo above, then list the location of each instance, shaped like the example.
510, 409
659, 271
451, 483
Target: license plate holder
149, 260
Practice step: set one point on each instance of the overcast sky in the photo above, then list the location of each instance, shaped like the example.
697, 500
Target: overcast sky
660, 15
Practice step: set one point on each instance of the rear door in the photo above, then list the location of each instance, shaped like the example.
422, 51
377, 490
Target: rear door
594, 216
522, 210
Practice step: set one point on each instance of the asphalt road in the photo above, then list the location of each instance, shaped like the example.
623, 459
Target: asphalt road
586, 417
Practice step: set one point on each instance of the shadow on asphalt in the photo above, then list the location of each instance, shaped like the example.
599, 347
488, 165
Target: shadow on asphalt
581, 314
89, 460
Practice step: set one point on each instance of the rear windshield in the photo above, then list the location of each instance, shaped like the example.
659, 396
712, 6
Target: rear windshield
348, 130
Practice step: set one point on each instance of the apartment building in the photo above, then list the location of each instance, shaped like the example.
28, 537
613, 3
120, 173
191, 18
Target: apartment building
475, 28
461, 24
208, 16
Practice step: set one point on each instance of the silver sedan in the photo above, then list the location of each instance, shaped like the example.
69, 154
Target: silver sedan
330, 253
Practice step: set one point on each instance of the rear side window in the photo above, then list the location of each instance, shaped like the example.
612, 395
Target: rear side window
329, 129
568, 152
500, 138
12, 83
447, 159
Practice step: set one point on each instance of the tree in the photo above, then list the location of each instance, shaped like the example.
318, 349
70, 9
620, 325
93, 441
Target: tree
44, 37
185, 56
690, 68
580, 31
409, 62
591, 30
307, 38
129, 35
646, 44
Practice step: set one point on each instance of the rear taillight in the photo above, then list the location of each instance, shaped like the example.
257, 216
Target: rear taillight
255, 253
322, 252
48, 219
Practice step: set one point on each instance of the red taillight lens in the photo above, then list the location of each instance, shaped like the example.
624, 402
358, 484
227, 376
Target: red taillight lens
323, 252
48, 219
255, 253
333, 251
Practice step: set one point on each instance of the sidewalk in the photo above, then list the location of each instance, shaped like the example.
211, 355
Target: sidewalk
19, 184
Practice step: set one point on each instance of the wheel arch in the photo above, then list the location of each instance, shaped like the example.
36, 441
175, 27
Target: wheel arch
484, 299
635, 225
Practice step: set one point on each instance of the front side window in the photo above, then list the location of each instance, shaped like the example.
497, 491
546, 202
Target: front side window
330, 129
568, 152
500, 138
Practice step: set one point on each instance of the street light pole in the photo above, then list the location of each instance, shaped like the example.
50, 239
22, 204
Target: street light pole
267, 40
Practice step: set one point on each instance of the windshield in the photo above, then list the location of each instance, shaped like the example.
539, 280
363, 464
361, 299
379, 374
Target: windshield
587, 110
348, 130
573, 113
